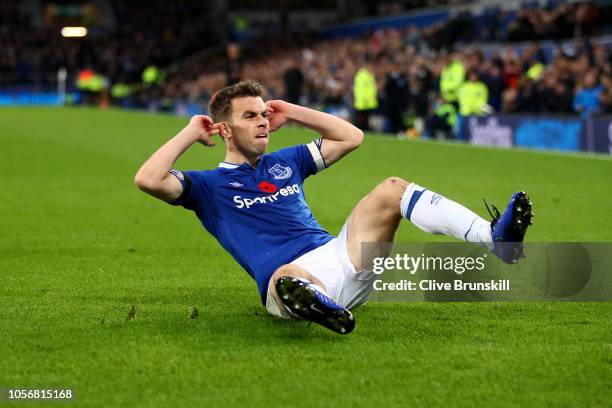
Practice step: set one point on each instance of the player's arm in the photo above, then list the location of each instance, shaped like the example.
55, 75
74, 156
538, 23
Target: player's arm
154, 176
340, 137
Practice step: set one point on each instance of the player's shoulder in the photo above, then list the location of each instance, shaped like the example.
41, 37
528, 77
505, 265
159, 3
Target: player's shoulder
287, 153
200, 173
303, 157
291, 156
207, 177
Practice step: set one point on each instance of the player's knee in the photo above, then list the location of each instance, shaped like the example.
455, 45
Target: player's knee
284, 270
294, 271
395, 183
289, 270
390, 191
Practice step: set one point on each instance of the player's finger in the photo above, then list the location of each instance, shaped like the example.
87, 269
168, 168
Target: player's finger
216, 126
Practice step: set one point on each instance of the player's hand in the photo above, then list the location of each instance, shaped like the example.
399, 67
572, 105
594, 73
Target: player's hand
277, 113
206, 128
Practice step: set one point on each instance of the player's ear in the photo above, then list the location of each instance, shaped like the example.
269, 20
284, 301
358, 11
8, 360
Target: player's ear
226, 130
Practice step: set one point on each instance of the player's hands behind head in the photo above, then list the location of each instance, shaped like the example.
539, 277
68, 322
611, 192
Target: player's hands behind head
206, 128
277, 113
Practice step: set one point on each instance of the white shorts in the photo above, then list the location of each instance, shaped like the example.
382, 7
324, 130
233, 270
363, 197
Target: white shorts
330, 264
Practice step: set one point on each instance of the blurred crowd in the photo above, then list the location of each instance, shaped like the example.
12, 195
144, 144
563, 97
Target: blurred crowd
558, 20
419, 81
146, 32
28, 54
390, 7
388, 79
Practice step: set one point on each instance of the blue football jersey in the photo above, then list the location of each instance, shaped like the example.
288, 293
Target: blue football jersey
259, 215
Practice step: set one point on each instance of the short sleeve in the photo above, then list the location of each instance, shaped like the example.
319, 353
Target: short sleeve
191, 185
306, 157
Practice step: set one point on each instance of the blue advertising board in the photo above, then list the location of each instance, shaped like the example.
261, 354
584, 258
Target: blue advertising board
600, 135
547, 133
566, 133
20, 98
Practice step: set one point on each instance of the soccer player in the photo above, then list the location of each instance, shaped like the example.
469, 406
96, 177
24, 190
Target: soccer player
253, 203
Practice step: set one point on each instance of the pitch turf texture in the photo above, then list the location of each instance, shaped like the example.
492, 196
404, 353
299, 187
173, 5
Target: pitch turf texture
80, 245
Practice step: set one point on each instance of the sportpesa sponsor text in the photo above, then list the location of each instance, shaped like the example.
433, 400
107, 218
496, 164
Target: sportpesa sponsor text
270, 198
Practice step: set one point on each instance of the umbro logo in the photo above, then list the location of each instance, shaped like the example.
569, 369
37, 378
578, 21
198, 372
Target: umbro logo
435, 199
236, 184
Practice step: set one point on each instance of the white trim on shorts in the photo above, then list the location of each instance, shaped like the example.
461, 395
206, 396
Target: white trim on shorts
330, 263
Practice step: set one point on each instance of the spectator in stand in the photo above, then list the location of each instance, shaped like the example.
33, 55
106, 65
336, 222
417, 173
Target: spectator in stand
494, 80
365, 95
413, 38
294, 81
552, 94
473, 96
605, 98
233, 69
451, 78
418, 96
587, 100
528, 101
441, 122
396, 100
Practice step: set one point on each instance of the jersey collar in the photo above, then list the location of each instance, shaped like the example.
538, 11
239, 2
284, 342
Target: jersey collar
227, 165
231, 166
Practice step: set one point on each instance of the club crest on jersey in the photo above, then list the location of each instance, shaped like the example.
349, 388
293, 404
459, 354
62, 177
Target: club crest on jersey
279, 172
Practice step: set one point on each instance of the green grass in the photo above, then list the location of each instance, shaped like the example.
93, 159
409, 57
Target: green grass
79, 244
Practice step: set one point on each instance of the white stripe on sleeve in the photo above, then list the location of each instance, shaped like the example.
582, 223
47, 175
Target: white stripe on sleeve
317, 157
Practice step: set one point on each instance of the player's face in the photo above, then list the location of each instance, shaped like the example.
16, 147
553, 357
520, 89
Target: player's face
250, 127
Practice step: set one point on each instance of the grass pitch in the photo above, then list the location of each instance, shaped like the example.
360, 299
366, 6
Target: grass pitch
80, 245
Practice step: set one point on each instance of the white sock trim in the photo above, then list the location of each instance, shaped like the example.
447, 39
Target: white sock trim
405, 203
435, 214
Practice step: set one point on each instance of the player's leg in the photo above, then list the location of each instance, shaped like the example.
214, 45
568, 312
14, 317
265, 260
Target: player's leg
293, 292
377, 216
375, 219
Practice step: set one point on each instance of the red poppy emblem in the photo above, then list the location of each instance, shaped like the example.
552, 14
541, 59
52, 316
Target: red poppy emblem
267, 187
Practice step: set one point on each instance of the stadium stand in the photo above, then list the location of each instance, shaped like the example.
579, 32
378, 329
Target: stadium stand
172, 56
534, 77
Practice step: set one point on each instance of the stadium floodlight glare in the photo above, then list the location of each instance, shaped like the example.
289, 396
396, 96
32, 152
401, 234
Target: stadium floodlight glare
74, 32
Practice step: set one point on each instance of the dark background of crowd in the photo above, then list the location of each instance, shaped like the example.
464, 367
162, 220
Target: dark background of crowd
408, 62
195, 46
144, 32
